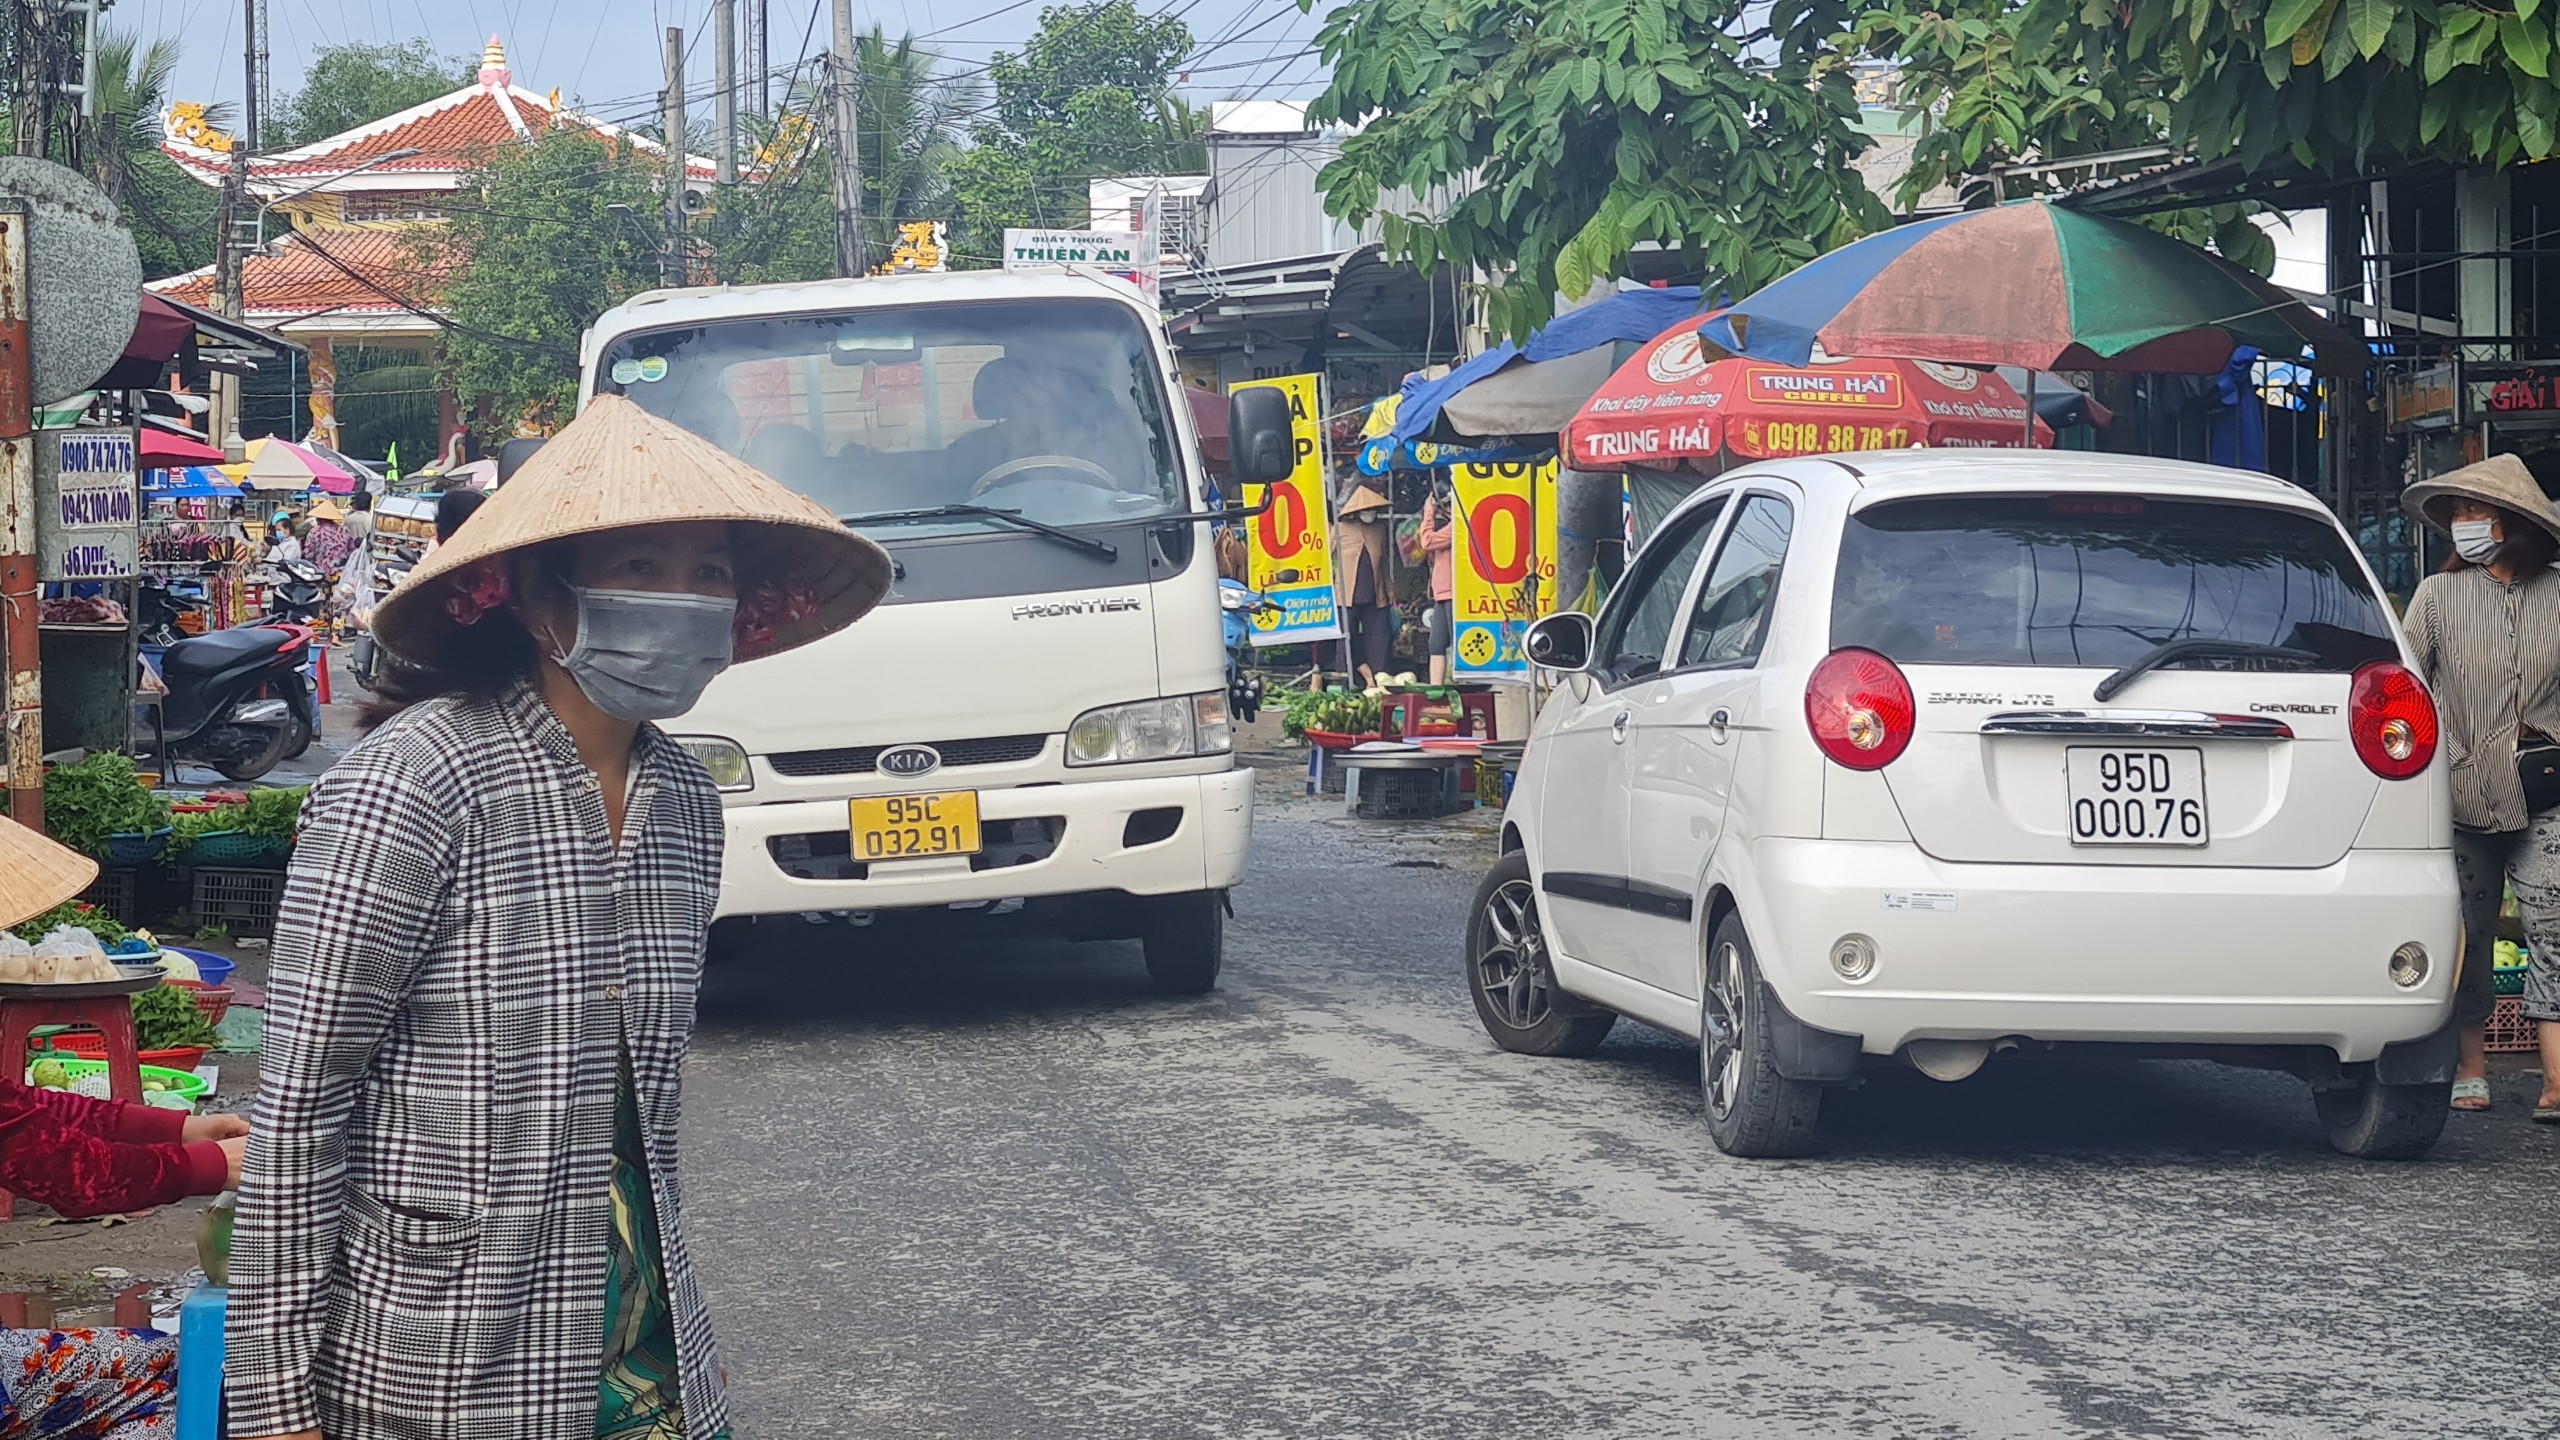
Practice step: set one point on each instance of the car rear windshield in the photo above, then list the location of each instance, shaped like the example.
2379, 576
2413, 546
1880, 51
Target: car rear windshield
2099, 580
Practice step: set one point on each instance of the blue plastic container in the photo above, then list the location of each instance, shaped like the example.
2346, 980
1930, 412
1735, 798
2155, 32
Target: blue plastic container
212, 969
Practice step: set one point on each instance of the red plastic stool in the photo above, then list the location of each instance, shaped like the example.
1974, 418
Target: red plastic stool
109, 1015
1399, 715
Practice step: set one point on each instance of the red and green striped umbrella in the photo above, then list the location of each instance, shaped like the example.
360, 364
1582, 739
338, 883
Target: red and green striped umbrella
2029, 284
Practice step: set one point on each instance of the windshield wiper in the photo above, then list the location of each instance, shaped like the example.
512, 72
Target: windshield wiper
1101, 548
2175, 650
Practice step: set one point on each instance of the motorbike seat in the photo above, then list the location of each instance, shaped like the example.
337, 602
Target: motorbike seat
220, 650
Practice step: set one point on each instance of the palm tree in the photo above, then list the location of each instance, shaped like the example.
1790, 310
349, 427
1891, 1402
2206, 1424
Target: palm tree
910, 125
171, 215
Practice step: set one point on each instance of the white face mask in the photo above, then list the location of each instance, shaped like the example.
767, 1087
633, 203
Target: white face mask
2475, 540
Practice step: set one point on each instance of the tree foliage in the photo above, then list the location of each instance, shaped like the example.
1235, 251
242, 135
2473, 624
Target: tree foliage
170, 213
359, 82
1540, 140
534, 251
1090, 95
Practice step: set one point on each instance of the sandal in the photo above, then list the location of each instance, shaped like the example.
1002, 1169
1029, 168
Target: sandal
2473, 1095
2546, 1114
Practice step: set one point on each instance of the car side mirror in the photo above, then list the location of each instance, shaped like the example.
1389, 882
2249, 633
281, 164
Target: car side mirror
1261, 440
1561, 641
513, 454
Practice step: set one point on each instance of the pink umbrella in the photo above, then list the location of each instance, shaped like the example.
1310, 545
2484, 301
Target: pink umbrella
282, 465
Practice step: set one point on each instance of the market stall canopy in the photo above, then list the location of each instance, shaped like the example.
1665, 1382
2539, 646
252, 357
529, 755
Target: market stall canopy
282, 465
1673, 401
168, 330
158, 448
1628, 316
478, 475
192, 482
1530, 397
2029, 284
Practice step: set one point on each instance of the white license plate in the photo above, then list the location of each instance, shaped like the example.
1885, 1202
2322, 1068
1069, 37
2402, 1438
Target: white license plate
2120, 795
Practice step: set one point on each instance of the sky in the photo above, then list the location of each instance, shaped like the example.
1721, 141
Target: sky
607, 54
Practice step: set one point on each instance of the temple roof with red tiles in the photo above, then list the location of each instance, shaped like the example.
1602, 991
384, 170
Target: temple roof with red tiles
450, 133
366, 276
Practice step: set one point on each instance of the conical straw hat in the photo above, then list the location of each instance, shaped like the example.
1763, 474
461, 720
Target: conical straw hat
36, 874
616, 467
2500, 480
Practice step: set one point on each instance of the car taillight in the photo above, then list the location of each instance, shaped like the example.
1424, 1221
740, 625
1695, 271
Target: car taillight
1860, 709
2392, 720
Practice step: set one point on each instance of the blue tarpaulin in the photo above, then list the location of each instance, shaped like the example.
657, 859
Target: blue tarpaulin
194, 482
1633, 316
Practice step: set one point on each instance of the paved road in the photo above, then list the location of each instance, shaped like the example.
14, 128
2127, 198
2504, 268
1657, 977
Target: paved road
998, 1190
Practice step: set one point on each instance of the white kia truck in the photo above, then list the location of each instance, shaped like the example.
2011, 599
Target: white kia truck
1037, 712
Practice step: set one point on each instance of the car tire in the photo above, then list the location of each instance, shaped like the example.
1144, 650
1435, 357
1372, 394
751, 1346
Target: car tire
2373, 1121
1509, 973
1752, 1110
1185, 940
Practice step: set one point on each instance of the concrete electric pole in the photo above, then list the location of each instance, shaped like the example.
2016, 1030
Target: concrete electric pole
672, 267
724, 102
842, 97
759, 60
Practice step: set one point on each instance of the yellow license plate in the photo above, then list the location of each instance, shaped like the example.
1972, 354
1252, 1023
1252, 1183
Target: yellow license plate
915, 827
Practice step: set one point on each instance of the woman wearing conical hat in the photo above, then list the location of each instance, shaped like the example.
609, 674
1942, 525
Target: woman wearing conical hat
460, 1214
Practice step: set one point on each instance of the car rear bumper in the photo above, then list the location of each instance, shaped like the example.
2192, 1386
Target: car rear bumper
2110, 954
1093, 825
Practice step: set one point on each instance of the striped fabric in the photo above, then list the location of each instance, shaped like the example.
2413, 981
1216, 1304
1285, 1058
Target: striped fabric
421, 1245
2491, 654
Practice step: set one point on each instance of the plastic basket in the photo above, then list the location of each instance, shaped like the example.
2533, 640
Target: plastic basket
118, 893
240, 901
137, 848
2508, 979
2509, 1032
212, 1001
182, 1083
212, 969
239, 850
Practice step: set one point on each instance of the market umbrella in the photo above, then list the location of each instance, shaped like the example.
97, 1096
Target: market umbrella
2030, 284
159, 449
1674, 400
188, 483
282, 465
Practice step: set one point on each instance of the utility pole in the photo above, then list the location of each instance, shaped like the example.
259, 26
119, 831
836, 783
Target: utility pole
848, 144
19, 607
759, 61
724, 102
253, 62
671, 266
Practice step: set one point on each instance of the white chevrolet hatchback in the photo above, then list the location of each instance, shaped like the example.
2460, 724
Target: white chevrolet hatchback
1937, 754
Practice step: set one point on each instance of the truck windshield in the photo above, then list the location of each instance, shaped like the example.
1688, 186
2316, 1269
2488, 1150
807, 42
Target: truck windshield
1051, 408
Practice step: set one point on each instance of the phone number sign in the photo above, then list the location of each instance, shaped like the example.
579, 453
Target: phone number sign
88, 516
1289, 546
1505, 575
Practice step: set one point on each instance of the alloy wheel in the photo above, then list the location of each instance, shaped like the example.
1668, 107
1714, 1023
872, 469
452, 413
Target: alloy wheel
1721, 1047
1511, 968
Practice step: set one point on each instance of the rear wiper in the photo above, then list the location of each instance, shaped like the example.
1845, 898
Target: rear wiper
2175, 650
1102, 548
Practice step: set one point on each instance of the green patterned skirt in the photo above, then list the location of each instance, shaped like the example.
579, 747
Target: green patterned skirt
639, 1398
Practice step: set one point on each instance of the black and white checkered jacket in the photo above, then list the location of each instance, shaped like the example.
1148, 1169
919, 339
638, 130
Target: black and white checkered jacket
420, 1249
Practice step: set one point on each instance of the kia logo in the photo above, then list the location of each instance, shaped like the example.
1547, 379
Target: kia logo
909, 761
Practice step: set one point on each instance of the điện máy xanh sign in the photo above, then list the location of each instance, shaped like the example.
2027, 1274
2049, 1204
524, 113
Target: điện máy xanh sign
88, 516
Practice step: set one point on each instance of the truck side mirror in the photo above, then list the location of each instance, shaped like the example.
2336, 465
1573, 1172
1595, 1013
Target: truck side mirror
1260, 439
512, 455
1561, 641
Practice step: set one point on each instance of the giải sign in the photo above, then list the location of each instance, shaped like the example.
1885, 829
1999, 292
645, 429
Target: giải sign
88, 516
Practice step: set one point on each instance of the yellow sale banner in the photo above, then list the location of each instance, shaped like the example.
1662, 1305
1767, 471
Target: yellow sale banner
1506, 562
1290, 545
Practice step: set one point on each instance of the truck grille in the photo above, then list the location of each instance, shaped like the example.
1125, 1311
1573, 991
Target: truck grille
865, 759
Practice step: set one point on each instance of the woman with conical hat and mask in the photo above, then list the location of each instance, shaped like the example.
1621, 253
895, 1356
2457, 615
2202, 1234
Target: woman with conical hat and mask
2486, 632
89, 1157
461, 1215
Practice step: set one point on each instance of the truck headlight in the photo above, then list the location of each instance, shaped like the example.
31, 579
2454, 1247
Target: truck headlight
1167, 729
723, 758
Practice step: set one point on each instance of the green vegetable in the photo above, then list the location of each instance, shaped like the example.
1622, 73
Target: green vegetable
166, 1018
73, 912
51, 1075
99, 797
1334, 710
271, 814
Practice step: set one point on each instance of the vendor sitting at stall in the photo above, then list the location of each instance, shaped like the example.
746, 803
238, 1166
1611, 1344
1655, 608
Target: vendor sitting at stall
282, 543
89, 1157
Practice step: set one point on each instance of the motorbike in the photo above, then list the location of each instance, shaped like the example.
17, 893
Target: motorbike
238, 700
297, 591
1237, 606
